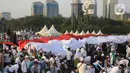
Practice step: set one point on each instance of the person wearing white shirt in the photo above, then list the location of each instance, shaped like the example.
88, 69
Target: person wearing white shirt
82, 67
7, 57
128, 52
48, 72
57, 59
124, 62
77, 57
35, 68
117, 69
6, 69
91, 69
17, 59
78, 54
69, 56
14, 68
14, 52
24, 65
84, 52
52, 64
87, 60
109, 69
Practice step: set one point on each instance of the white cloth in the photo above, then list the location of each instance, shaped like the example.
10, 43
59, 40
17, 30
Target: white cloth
124, 62
83, 52
69, 55
72, 72
48, 71
6, 69
58, 63
24, 66
115, 70
109, 70
82, 68
52, 61
128, 52
78, 55
14, 68
14, 52
17, 60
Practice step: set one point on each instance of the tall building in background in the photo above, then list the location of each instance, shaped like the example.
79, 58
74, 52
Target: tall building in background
37, 8
51, 8
109, 9
90, 7
125, 16
5, 15
76, 8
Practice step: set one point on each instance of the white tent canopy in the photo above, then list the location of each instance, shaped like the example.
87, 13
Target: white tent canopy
43, 31
76, 33
71, 32
93, 32
66, 32
82, 33
52, 32
88, 32
99, 32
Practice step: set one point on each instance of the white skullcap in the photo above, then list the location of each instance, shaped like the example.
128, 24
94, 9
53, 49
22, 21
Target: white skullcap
36, 60
102, 54
33, 56
65, 60
112, 49
82, 59
7, 48
47, 60
12, 47
26, 56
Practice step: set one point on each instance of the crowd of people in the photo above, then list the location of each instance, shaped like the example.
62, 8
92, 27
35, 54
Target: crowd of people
103, 58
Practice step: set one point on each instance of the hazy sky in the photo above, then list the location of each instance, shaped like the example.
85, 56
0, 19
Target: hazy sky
21, 8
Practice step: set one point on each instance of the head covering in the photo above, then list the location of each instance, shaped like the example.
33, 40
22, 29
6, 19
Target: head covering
7, 48
112, 49
17, 61
36, 60
26, 56
81, 59
12, 47
102, 54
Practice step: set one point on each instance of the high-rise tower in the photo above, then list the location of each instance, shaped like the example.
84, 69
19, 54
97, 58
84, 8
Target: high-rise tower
51, 8
76, 8
37, 8
109, 9
90, 7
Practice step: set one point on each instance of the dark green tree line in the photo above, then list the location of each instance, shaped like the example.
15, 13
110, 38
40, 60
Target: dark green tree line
62, 24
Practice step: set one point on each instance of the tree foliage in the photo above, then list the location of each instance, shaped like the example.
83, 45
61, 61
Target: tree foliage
35, 23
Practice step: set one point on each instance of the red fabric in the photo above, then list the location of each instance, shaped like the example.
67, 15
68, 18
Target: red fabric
46, 39
9, 43
22, 43
67, 37
103, 35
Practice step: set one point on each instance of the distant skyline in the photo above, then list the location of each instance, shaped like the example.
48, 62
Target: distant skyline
21, 8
